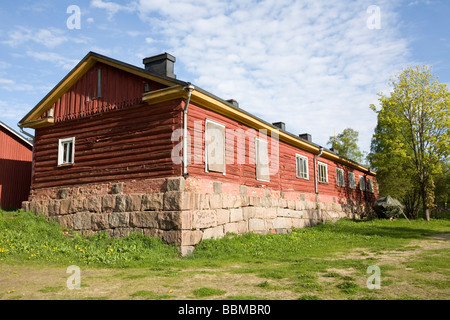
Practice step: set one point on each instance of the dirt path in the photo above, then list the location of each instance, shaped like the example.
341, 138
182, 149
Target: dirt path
400, 278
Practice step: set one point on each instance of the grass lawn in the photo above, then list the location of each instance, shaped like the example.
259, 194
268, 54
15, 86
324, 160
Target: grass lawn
329, 261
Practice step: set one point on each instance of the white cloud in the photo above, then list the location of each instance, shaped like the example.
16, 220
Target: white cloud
6, 81
50, 37
112, 8
12, 111
313, 64
57, 59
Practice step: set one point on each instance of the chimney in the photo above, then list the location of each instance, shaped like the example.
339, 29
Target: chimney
280, 125
233, 102
161, 65
306, 136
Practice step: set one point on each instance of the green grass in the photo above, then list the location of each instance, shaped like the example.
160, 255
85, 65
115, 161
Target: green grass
26, 237
298, 261
207, 292
150, 295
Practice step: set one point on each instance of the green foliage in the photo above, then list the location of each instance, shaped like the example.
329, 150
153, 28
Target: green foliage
28, 237
411, 140
442, 183
346, 143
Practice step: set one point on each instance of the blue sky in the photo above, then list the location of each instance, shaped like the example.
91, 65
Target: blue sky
316, 65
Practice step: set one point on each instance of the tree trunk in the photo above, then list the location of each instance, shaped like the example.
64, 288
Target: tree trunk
426, 211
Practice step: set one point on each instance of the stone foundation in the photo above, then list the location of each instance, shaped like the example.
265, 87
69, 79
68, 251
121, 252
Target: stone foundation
184, 212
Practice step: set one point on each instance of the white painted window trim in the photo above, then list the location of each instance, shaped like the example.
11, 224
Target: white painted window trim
297, 156
321, 164
61, 143
206, 144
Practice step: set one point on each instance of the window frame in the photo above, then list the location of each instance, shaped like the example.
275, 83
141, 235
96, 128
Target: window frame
351, 181
362, 183
206, 146
370, 185
61, 151
257, 141
322, 164
338, 181
305, 159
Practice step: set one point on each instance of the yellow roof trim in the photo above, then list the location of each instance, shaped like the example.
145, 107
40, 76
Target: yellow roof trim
40, 123
166, 94
221, 107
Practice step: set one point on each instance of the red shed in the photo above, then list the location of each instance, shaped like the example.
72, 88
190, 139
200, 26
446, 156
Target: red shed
120, 148
16, 154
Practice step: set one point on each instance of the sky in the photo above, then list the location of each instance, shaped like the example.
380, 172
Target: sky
315, 65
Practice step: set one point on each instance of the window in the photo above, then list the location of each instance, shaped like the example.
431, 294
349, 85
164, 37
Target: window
215, 146
340, 180
66, 151
302, 166
351, 180
362, 183
370, 186
262, 160
323, 172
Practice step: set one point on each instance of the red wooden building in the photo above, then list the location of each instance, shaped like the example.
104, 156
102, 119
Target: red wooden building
115, 142
15, 168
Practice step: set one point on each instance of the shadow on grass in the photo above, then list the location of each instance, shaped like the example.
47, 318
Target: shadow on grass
398, 229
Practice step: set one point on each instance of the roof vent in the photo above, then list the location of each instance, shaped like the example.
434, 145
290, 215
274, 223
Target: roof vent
334, 150
233, 102
280, 125
306, 136
162, 65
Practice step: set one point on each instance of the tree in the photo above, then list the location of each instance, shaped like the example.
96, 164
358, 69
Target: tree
442, 182
413, 129
395, 176
346, 143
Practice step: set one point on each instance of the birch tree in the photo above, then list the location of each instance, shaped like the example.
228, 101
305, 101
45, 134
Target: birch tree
413, 124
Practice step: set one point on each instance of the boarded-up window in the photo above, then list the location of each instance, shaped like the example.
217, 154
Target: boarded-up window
215, 146
370, 186
262, 160
340, 180
351, 180
362, 183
